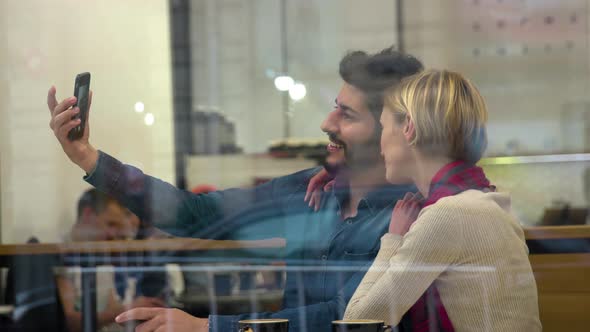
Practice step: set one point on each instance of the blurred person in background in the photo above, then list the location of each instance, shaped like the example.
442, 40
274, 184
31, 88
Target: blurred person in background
338, 241
101, 218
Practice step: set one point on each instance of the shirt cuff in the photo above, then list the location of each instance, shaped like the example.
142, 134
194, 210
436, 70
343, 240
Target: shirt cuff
219, 323
89, 175
106, 174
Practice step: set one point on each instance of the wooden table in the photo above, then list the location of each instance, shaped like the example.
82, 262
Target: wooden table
558, 239
137, 253
560, 258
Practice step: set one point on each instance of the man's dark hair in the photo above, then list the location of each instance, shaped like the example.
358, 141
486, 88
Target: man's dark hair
373, 73
95, 200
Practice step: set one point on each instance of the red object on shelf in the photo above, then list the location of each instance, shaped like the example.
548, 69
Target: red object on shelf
203, 189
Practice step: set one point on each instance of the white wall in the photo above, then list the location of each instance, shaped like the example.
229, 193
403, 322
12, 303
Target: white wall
235, 43
527, 92
126, 47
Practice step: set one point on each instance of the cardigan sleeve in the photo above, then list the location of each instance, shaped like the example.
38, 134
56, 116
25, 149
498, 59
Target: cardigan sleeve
405, 268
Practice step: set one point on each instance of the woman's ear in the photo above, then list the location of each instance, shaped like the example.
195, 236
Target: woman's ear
409, 129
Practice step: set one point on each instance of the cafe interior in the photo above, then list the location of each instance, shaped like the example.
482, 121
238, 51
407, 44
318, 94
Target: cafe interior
209, 95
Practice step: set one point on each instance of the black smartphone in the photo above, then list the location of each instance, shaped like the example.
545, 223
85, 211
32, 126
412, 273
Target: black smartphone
82, 93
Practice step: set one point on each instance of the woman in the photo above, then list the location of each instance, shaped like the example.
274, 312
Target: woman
461, 239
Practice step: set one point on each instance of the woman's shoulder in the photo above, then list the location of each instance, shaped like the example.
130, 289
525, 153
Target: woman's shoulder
472, 204
474, 215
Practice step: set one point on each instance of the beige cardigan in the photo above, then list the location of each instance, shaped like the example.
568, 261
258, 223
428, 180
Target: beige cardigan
473, 249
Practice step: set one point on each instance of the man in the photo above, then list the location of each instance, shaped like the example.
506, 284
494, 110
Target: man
101, 218
331, 245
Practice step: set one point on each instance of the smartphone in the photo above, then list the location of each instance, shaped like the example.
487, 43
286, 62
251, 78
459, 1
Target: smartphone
81, 92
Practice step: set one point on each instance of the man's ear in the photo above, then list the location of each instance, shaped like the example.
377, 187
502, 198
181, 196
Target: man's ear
409, 129
87, 213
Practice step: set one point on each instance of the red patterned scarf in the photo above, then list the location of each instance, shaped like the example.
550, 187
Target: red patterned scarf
428, 313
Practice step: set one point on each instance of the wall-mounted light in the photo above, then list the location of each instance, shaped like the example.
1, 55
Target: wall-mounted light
284, 83
297, 91
149, 119
139, 107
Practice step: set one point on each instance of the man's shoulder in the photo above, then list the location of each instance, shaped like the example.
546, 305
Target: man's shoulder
300, 178
293, 186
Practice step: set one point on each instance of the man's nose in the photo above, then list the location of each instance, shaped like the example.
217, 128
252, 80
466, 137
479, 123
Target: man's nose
330, 123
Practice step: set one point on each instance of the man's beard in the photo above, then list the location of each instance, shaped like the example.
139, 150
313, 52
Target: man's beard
357, 157
332, 168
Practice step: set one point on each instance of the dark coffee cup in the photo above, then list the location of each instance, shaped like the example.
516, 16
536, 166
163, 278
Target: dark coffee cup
264, 325
360, 325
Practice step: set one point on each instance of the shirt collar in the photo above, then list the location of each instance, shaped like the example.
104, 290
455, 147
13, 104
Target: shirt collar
377, 199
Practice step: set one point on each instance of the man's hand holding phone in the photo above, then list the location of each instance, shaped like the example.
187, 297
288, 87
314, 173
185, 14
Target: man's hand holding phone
63, 121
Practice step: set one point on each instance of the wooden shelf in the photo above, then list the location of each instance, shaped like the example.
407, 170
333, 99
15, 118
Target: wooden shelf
557, 232
137, 246
188, 244
535, 159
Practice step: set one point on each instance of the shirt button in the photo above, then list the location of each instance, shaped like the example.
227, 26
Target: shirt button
324, 257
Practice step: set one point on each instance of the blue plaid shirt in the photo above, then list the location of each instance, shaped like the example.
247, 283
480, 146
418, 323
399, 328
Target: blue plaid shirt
325, 255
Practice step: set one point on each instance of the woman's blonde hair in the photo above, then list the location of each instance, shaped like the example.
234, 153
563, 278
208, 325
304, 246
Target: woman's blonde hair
448, 112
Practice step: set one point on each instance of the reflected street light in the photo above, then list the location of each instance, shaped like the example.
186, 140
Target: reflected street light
284, 83
297, 91
139, 107
149, 119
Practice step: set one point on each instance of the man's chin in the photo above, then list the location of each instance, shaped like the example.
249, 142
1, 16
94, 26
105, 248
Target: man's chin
333, 169
334, 166
334, 163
